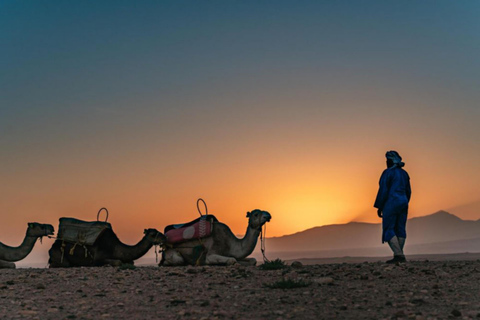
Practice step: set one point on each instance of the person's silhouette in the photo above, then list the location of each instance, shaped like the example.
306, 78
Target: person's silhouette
392, 204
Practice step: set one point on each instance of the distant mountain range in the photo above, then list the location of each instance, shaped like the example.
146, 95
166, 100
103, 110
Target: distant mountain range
438, 233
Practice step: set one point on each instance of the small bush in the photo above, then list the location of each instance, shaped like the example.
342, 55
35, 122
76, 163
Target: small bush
288, 284
273, 265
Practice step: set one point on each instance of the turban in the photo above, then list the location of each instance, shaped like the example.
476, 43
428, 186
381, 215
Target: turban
395, 158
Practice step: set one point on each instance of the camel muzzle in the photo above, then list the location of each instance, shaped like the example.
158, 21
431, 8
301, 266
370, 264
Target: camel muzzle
50, 231
267, 217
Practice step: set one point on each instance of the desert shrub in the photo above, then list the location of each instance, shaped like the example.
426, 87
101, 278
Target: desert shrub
273, 265
288, 284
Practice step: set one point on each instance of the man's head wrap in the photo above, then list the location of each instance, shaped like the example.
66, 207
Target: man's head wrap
395, 158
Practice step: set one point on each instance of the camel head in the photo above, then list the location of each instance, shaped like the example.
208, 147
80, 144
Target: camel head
39, 230
155, 237
257, 218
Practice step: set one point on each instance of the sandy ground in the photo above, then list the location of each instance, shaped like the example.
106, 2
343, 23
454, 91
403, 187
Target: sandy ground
466, 256
415, 290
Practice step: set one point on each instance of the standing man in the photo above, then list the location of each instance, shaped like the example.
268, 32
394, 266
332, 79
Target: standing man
392, 204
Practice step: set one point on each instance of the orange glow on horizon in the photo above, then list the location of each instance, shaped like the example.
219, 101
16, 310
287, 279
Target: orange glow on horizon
299, 196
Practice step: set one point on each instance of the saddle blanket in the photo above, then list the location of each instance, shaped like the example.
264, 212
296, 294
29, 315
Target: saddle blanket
196, 229
81, 232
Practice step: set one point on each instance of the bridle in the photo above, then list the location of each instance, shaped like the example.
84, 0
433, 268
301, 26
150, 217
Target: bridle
45, 234
155, 245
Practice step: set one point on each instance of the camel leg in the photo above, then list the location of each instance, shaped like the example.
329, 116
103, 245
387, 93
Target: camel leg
218, 259
248, 262
6, 265
173, 258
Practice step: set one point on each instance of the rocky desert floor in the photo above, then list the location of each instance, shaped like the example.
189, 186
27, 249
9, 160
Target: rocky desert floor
414, 290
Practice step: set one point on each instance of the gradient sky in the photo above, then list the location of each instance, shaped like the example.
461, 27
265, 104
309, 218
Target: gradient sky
288, 106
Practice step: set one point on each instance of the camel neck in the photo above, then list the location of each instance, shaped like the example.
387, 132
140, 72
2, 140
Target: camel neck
129, 253
246, 245
13, 254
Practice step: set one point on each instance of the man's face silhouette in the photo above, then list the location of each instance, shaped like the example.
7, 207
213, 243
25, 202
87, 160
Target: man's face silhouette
389, 163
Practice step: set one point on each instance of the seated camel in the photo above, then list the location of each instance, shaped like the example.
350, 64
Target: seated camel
34, 231
221, 247
84, 244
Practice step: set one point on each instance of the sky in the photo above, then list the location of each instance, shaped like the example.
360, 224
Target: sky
286, 106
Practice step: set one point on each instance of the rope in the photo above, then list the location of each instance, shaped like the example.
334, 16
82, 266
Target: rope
197, 263
263, 238
62, 249
45, 235
72, 249
155, 245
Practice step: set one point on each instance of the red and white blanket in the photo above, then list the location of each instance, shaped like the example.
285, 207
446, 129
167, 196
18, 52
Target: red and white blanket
197, 229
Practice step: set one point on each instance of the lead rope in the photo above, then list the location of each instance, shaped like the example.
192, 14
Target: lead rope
263, 238
161, 247
45, 235
155, 247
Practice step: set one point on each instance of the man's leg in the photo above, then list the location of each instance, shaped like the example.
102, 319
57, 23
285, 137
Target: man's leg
390, 223
400, 226
398, 255
395, 246
401, 241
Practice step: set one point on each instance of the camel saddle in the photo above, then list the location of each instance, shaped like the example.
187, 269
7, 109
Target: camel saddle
199, 228
81, 232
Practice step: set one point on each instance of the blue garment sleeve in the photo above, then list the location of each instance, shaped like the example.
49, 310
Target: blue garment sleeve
384, 188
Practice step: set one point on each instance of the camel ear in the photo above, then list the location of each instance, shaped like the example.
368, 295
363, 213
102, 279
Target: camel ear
30, 225
249, 214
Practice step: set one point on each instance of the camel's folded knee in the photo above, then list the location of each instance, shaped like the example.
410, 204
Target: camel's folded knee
217, 259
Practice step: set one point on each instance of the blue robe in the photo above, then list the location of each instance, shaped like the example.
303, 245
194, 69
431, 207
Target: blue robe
392, 198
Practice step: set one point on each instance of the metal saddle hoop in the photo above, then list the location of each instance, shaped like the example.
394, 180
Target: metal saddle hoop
98, 214
198, 207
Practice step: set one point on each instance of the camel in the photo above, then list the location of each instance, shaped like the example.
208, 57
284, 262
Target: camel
35, 230
222, 247
106, 250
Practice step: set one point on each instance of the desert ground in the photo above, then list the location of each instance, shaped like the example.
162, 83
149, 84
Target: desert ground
368, 290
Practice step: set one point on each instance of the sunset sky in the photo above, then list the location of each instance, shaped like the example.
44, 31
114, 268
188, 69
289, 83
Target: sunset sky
287, 106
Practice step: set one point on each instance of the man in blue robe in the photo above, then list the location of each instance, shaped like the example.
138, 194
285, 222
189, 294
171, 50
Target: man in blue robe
392, 204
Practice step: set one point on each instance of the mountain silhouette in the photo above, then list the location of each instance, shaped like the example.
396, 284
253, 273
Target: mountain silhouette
440, 232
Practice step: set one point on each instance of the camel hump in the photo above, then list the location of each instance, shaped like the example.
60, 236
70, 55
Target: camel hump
199, 228
79, 231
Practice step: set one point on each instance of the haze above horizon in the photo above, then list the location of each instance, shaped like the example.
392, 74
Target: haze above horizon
287, 107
